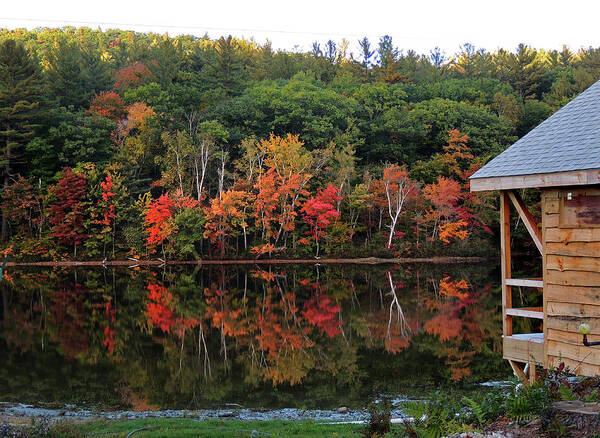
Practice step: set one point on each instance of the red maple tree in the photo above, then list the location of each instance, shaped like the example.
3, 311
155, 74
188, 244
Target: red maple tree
66, 213
108, 104
320, 211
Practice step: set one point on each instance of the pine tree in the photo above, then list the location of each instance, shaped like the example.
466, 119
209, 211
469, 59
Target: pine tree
20, 95
66, 77
225, 67
96, 75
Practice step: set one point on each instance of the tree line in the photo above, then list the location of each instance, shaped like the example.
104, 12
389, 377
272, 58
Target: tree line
120, 143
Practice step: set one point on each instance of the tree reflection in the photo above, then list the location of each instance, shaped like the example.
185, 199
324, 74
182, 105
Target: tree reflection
196, 337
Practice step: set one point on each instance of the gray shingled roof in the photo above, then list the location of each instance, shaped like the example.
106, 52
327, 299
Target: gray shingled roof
568, 140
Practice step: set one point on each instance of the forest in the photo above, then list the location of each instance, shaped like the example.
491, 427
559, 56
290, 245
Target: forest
121, 144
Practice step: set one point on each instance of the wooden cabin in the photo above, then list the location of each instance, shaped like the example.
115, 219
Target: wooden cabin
561, 158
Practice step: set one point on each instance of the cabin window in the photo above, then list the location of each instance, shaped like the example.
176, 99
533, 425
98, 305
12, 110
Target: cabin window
579, 210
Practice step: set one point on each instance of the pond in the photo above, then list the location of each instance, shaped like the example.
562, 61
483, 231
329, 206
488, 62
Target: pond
192, 337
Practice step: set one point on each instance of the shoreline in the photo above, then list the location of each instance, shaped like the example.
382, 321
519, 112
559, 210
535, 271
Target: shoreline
159, 262
13, 412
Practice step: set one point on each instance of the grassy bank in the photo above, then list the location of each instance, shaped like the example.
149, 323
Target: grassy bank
558, 405
170, 427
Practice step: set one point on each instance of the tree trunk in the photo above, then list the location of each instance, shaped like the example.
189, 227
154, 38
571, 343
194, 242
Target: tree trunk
6, 183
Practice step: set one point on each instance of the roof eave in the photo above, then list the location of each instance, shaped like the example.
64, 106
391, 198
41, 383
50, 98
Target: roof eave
555, 179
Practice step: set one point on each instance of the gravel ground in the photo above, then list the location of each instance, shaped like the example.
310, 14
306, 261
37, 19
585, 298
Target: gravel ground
24, 411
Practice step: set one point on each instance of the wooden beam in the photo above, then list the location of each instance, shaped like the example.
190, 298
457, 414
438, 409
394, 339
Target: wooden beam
518, 371
526, 312
532, 373
507, 328
525, 282
554, 179
528, 221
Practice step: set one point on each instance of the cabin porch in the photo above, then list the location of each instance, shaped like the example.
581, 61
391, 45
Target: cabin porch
568, 242
520, 348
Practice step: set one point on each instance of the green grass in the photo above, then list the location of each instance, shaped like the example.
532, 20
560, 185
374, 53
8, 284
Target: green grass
214, 429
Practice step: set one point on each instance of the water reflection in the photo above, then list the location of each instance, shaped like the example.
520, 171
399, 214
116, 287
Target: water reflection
296, 336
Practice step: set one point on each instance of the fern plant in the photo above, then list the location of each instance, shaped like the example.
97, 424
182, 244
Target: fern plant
476, 409
435, 418
527, 402
566, 393
592, 397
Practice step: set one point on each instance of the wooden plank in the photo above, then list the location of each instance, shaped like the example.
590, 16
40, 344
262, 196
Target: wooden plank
572, 294
517, 370
573, 263
568, 235
525, 282
580, 211
527, 218
551, 220
552, 206
572, 278
555, 179
570, 337
579, 368
568, 323
572, 309
507, 326
522, 350
579, 191
547, 196
583, 249
527, 312
532, 373
589, 355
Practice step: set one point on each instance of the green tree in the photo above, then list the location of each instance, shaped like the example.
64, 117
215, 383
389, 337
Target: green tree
66, 77
524, 70
71, 138
224, 66
20, 95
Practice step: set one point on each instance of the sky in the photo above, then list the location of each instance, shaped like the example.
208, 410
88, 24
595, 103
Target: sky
420, 25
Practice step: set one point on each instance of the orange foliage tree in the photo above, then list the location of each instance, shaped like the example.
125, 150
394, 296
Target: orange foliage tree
224, 216
108, 104
131, 75
281, 186
444, 196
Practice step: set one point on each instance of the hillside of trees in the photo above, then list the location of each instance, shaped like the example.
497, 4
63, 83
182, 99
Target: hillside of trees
121, 144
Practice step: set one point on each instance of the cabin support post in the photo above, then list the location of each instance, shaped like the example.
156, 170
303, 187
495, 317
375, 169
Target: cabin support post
507, 326
532, 372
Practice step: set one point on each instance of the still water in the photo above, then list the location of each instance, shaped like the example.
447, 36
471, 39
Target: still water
263, 337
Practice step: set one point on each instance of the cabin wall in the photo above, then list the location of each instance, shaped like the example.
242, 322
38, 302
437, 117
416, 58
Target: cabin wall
571, 279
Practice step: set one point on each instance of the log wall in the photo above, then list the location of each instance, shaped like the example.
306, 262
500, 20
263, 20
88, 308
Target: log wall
571, 285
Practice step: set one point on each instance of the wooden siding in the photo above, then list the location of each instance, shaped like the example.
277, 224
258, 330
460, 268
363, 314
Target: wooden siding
522, 350
571, 286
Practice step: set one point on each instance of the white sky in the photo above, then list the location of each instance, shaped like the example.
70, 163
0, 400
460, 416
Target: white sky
418, 24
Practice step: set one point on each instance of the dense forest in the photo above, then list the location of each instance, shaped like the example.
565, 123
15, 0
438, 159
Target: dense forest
120, 144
